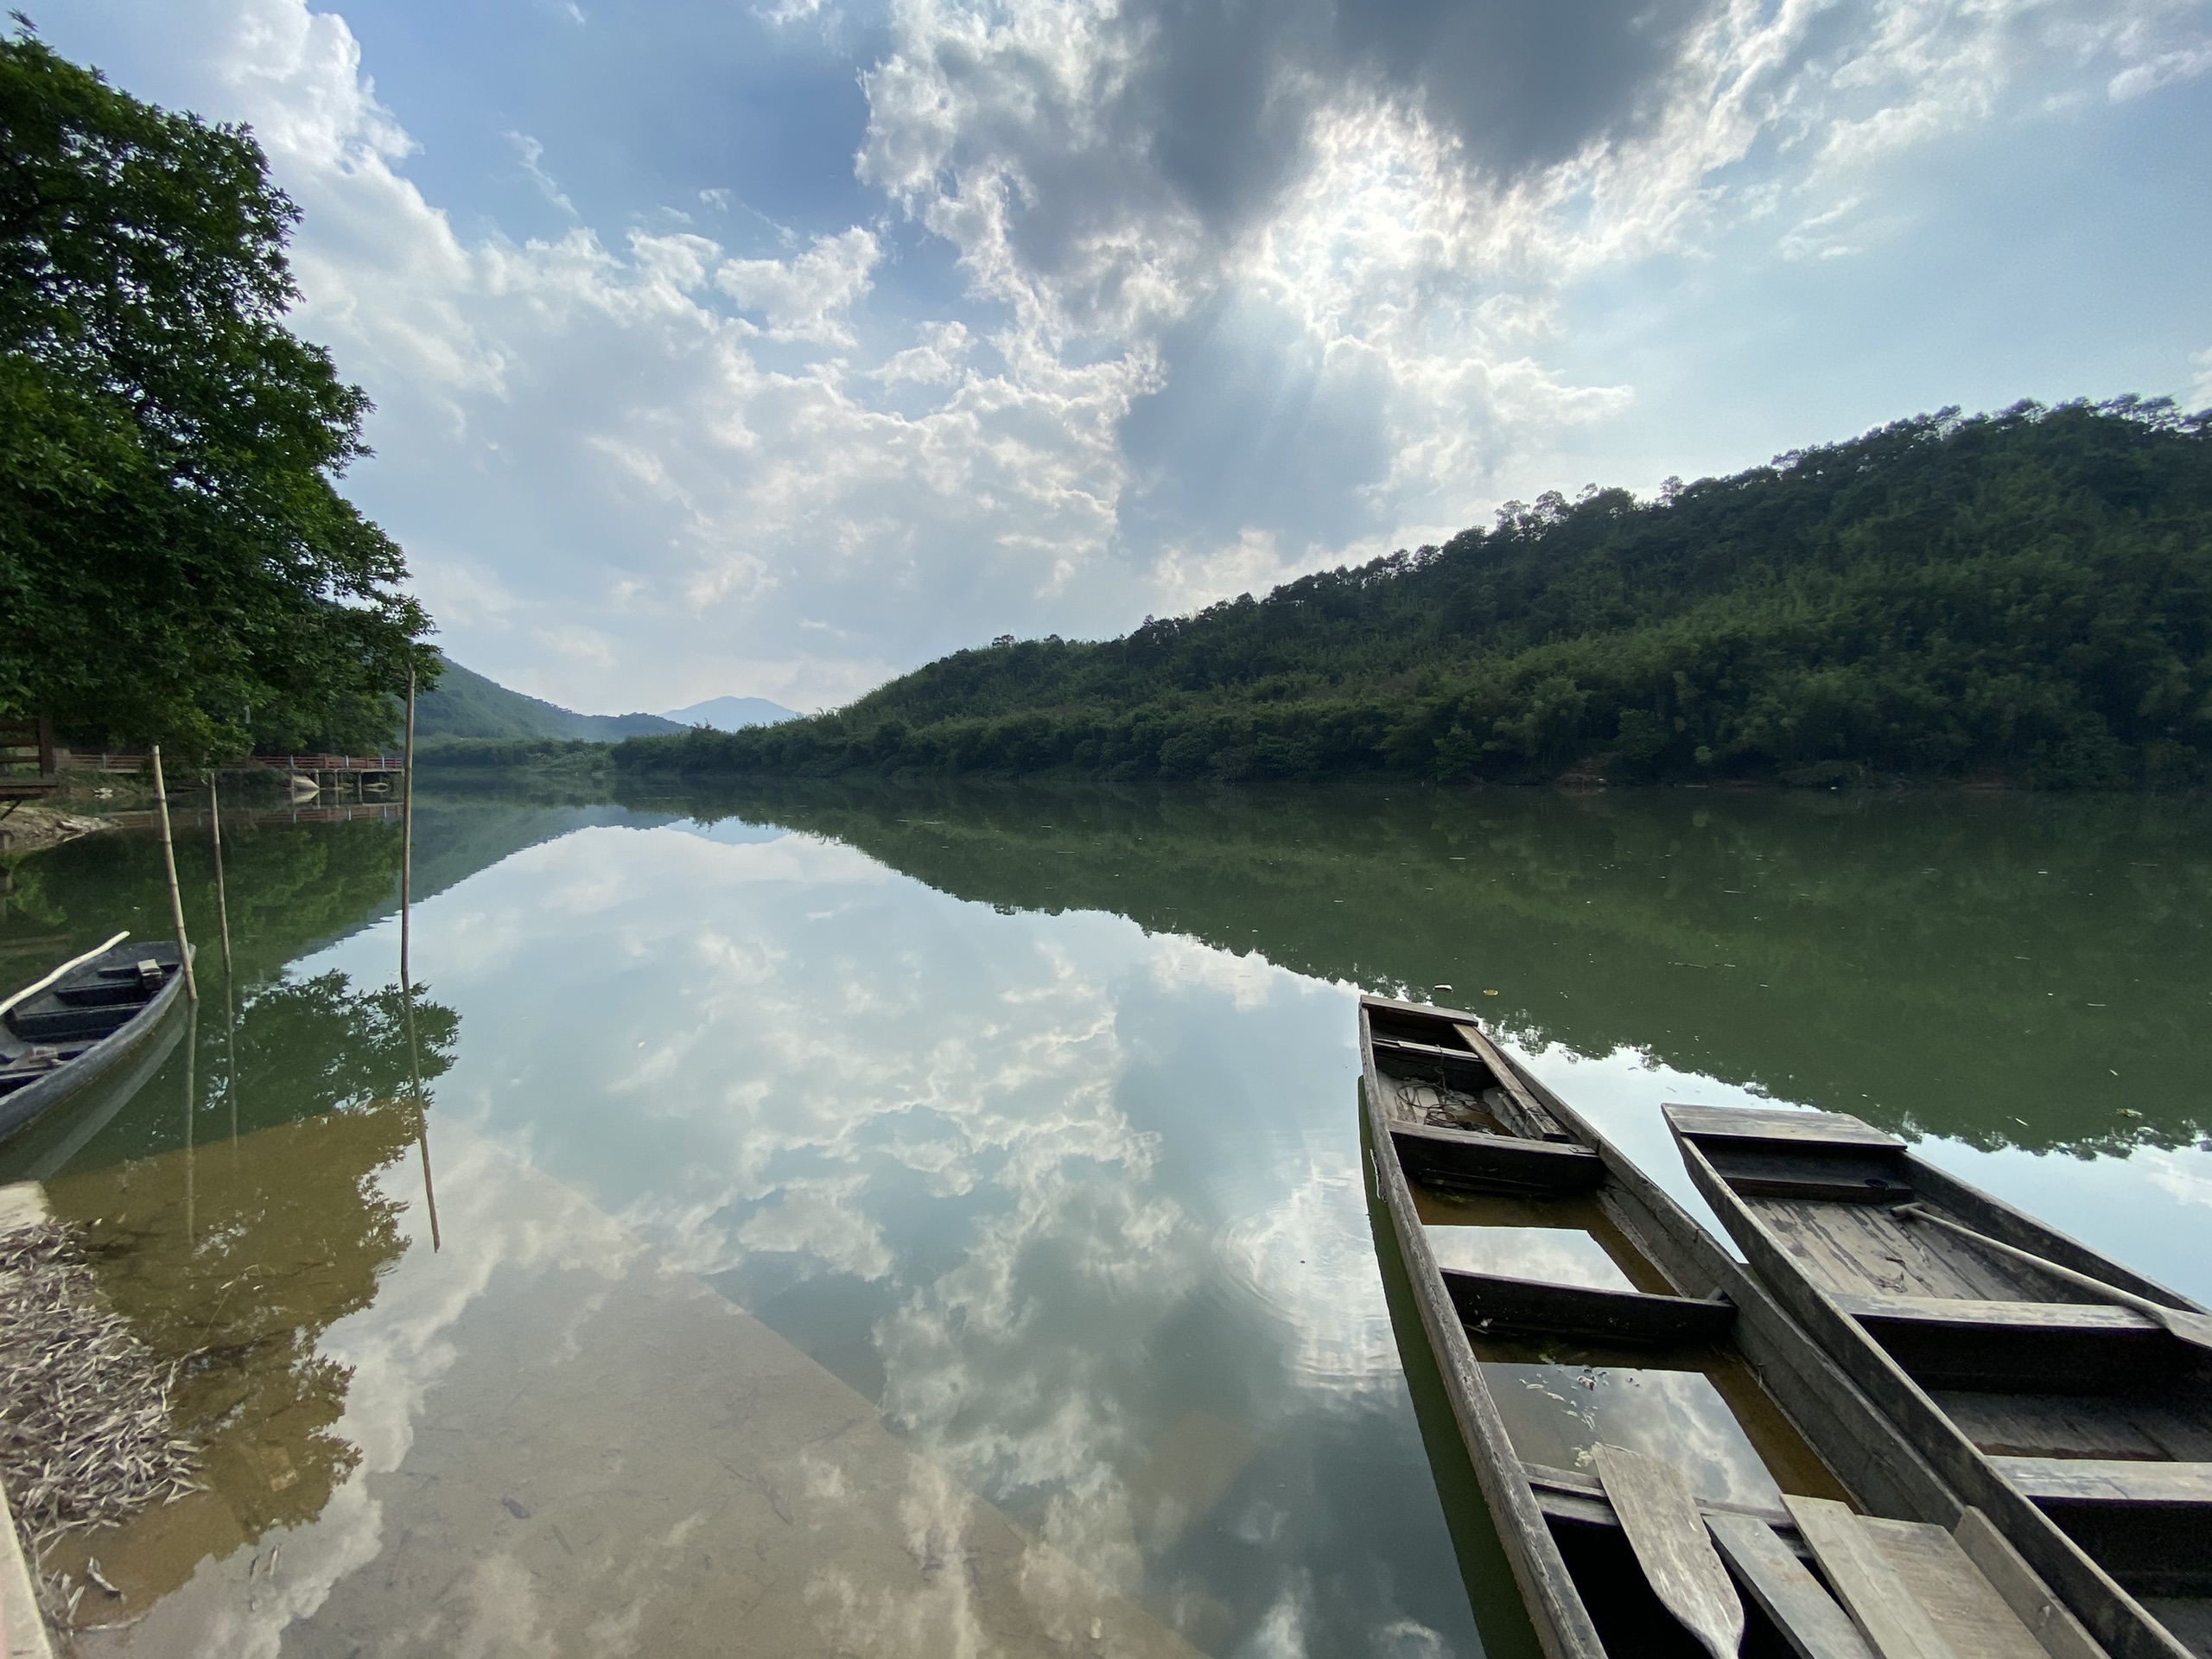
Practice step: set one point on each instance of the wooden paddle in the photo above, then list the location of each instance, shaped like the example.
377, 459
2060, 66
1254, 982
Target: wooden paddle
2194, 1328
1667, 1535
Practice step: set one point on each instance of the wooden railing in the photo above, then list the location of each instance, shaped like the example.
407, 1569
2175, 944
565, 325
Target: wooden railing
324, 762
68, 759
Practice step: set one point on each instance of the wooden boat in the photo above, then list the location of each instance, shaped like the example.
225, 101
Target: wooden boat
76, 1026
1617, 1378
2067, 1396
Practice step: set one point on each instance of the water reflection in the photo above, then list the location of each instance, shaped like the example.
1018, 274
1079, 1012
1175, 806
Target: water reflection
1064, 1200
1004, 1139
2002, 970
234, 1264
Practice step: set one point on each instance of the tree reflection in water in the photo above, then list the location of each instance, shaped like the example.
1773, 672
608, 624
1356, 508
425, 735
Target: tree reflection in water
2003, 970
232, 1256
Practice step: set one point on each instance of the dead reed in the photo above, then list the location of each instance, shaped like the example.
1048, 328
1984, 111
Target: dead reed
84, 1433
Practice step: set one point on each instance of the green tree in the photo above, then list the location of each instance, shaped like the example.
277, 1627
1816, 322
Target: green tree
176, 563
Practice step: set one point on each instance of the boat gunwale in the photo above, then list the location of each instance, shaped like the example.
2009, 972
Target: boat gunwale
2112, 1613
1843, 1429
1563, 1625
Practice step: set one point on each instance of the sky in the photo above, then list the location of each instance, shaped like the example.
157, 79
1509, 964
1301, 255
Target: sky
775, 350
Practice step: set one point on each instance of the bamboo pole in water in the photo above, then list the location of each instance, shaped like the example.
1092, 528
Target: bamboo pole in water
191, 1101
407, 829
406, 983
230, 991
168, 861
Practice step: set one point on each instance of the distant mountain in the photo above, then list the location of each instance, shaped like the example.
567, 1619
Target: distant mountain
466, 704
733, 713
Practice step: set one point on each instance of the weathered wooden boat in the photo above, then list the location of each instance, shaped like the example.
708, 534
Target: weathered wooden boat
66, 1032
1638, 1410
2067, 1396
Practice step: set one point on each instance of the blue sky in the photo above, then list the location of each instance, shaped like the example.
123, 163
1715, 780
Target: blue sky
775, 350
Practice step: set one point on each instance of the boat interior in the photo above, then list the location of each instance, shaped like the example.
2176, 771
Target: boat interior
2098, 1411
1585, 1338
92, 1001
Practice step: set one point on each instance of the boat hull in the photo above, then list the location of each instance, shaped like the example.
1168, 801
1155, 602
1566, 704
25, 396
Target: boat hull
130, 1040
1523, 1148
1788, 1183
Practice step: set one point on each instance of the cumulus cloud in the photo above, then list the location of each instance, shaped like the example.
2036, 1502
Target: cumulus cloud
1348, 226
1242, 290
805, 298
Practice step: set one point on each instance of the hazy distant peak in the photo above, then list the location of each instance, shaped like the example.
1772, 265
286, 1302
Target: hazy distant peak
730, 713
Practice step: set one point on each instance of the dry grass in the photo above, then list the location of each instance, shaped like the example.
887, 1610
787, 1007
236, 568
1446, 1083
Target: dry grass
84, 1433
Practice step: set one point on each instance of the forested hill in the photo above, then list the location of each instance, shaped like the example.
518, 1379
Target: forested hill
2026, 595
464, 704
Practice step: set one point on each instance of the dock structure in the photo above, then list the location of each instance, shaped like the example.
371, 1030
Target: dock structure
26, 744
331, 776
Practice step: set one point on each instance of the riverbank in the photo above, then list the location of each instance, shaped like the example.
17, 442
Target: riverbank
31, 827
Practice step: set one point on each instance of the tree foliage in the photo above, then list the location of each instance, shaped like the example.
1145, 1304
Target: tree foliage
2027, 594
175, 560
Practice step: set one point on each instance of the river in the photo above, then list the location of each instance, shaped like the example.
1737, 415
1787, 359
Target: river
860, 1219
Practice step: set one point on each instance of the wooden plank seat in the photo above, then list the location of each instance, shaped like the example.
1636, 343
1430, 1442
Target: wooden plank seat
1495, 1304
2107, 1481
1491, 1163
2149, 1523
1999, 1346
1778, 1123
2098, 1319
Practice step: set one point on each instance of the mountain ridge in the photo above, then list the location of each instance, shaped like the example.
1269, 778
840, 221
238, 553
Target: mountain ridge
466, 704
2023, 597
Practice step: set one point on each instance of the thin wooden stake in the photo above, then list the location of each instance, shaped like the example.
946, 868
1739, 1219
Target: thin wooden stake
407, 829
422, 1119
406, 983
230, 982
191, 1103
169, 860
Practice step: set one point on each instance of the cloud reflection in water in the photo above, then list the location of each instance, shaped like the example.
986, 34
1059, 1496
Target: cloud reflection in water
1077, 1205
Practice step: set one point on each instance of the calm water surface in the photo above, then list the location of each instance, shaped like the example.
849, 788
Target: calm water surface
896, 1222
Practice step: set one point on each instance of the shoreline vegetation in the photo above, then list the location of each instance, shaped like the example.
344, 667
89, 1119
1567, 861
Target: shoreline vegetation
2021, 599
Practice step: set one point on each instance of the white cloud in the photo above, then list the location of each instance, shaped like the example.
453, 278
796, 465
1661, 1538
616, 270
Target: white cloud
532, 154
806, 298
740, 444
2200, 388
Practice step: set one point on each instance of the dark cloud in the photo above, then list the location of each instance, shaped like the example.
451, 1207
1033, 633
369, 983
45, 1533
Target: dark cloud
1524, 83
1208, 105
1228, 87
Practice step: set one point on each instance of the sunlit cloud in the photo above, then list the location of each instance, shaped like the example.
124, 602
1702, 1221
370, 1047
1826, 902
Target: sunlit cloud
1234, 293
